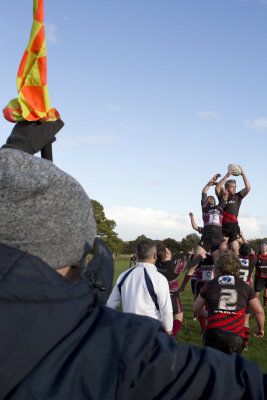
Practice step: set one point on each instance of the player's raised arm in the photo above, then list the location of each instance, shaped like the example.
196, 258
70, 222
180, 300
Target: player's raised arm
219, 185
246, 189
212, 182
193, 222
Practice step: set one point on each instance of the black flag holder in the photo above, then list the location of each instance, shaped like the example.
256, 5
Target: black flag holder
46, 152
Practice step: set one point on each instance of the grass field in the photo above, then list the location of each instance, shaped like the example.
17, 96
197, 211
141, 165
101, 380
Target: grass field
190, 330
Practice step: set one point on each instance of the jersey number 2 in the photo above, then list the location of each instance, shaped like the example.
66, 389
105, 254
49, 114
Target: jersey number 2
228, 299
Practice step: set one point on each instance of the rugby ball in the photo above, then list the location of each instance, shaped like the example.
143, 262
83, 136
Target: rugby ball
235, 168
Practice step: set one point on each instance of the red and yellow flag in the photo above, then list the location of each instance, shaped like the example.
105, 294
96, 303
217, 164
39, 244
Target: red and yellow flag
33, 102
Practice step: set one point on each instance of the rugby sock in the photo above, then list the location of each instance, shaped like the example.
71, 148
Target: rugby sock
246, 334
176, 326
185, 281
202, 322
265, 301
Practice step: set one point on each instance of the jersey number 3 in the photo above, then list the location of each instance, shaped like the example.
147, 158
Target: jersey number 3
228, 299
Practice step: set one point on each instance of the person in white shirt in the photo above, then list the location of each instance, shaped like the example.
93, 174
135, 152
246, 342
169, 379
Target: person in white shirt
142, 289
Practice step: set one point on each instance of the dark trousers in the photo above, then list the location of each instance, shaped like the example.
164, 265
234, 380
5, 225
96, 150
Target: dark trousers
225, 341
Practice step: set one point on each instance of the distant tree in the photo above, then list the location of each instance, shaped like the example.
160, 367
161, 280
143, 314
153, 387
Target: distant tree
158, 243
105, 229
172, 245
256, 244
189, 242
140, 237
128, 247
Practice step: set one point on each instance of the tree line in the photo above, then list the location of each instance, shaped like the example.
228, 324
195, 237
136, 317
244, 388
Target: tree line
105, 231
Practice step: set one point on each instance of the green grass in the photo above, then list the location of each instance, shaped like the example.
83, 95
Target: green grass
190, 330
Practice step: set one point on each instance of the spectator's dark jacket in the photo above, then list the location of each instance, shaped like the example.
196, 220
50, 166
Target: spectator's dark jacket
58, 341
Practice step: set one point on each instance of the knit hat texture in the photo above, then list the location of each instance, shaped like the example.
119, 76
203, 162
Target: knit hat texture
44, 211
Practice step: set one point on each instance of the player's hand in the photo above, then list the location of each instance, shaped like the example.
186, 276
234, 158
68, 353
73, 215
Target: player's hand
241, 169
180, 290
259, 333
191, 214
230, 172
216, 176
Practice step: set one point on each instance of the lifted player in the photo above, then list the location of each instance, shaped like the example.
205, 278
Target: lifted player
212, 215
227, 297
230, 213
261, 273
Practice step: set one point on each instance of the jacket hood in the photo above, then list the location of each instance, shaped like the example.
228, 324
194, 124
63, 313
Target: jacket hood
39, 308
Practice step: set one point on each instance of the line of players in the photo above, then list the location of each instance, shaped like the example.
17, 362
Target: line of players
220, 231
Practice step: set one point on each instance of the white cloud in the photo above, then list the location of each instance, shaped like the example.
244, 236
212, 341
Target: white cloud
208, 114
125, 126
259, 123
112, 107
251, 227
66, 143
50, 32
101, 138
155, 183
156, 224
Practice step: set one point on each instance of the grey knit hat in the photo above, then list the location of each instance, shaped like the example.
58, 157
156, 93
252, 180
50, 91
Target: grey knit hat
43, 210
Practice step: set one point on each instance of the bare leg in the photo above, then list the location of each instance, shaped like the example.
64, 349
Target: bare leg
224, 245
216, 255
235, 247
179, 316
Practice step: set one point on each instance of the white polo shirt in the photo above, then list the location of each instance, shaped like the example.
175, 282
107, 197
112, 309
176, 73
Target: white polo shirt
136, 299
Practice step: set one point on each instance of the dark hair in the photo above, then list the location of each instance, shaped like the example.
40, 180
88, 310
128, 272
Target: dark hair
228, 264
161, 253
245, 250
145, 249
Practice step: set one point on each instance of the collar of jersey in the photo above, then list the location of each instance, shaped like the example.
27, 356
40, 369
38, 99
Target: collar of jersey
145, 265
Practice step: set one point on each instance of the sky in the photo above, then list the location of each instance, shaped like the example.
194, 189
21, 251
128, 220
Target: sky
156, 96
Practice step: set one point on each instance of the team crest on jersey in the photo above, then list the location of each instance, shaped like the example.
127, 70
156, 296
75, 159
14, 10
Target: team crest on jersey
226, 280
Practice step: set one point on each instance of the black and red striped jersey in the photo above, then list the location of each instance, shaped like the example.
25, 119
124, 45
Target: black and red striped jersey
247, 265
261, 265
227, 298
171, 269
231, 210
205, 270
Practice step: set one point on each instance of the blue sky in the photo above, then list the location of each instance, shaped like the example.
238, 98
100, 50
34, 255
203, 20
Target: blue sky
157, 96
